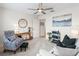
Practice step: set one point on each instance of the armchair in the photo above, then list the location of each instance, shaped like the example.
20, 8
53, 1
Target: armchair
11, 41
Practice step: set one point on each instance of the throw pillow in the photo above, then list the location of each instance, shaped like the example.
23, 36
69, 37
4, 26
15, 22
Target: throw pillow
67, 41
60, 43
73, 41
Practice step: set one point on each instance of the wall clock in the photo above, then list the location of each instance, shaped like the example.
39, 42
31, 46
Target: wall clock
22, 23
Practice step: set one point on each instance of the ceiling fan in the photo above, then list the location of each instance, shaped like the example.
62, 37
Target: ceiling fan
40, 9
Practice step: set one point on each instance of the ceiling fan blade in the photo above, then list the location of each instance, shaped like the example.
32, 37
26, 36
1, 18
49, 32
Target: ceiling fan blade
43, 12
47, 8
40, 9
36, 12
32, 9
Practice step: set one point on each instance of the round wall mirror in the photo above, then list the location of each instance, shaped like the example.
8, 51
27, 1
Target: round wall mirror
22, 23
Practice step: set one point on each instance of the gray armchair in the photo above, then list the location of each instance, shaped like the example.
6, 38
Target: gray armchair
11, 41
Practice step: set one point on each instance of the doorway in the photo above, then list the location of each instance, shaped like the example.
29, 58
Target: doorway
42, 28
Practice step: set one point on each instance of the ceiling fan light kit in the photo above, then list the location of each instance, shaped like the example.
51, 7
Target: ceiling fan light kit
42, 10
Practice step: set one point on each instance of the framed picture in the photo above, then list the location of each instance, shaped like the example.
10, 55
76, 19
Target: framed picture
62, 21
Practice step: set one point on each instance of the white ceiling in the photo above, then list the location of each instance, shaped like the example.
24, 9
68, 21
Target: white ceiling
23, 7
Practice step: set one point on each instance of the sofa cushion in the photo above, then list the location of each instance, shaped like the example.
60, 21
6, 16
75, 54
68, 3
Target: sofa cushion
71, 46
61, 51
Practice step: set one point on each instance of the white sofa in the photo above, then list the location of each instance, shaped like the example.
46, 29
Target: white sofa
58, 51
43, 52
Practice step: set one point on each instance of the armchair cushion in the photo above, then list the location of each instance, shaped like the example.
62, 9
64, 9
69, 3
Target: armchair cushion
12, 38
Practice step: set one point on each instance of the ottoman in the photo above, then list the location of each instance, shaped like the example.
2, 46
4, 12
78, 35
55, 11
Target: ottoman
24, 46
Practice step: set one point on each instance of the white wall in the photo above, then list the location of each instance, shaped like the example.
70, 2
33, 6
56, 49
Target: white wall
9, 21
0, 27
35, 27
63, 30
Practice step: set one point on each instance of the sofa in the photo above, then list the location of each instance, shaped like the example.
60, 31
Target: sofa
67, 47
11, 41
58, 51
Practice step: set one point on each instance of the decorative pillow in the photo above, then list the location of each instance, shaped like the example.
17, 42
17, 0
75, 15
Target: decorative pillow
12, 38
60, 43
55, 32
56, 37
73, 41
67, 41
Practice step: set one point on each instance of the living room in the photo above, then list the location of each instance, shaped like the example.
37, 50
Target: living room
25, 21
